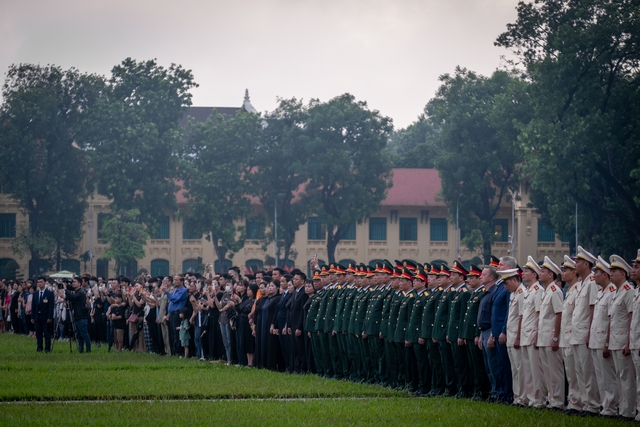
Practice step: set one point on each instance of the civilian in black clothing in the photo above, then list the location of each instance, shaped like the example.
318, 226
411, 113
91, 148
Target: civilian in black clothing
78, 301
244, 335
310, 291
295, 322
116, 315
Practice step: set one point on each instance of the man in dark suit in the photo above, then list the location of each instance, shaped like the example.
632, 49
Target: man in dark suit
42, 315
278, 274
295, 321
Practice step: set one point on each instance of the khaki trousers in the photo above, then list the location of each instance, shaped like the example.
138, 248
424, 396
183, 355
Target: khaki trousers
533, 376
573, 395
587, 380
519, 394
626, 379
636, 363
607, 383
553, 376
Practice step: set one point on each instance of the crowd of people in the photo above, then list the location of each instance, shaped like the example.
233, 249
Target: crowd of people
565, 338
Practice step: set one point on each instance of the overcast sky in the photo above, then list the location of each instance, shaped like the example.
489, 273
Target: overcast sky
387, 53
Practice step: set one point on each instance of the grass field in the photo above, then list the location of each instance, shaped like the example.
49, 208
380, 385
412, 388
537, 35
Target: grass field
62, 389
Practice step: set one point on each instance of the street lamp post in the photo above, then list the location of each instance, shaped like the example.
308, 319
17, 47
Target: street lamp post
275, 220
458, 228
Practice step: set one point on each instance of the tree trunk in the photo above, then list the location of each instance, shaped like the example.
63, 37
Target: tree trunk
486, 249
332, 242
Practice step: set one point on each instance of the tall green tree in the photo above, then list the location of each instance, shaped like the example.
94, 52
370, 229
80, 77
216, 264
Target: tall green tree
215, 172
281, 170
478, 156
135, 139
350, 169
44, 111
414, 146
126, 237
582, 145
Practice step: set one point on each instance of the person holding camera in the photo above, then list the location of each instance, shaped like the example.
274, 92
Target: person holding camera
77, 299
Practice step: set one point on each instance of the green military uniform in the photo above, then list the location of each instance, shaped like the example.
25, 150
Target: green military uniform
322, 334
310, 326
337, 327
420, 350
373, 318
408, 365
394, 362
328, 327
457, 308
366, 365
469, 331
440, 327
426, 332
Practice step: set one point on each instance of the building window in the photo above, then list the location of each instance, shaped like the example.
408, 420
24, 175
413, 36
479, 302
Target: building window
187, 234
351, 233
439, 230
545, 234
316, 229
102, 268
8, 268
129, 268
252, 266
501, 229
377, 228
159, 267
7, 225
254, 230
408, 229
190, 265
162, 232
222, 267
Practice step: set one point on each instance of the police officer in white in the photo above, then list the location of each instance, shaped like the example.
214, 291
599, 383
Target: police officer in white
512, 283
605, 369
569, 276
549, 334
617, 343
532, 373
580, 329
634, 329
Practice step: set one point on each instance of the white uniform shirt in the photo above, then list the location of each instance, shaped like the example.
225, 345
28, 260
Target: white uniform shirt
513, 318
581, 322
634, 332
568, 307
598, 335
531, 303
620, 310
551, 304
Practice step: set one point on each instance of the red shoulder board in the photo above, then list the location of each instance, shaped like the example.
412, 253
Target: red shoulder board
612, 288
519, 291
626, 287
592, 277
553, 288
536, 287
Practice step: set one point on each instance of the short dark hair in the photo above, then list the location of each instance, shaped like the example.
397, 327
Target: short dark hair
301, 275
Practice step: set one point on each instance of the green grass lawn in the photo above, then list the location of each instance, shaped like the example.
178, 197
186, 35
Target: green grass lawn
143, 389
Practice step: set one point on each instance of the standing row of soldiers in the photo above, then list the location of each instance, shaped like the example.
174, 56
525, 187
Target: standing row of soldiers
502, 333
399, 326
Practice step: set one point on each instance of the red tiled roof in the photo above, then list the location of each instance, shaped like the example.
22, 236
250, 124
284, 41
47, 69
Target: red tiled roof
411, 187
414, 187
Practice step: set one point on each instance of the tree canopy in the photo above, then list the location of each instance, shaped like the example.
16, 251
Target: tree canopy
582, 146
478, 156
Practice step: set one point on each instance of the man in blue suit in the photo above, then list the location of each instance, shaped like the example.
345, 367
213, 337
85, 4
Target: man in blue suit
499, 314
42, 315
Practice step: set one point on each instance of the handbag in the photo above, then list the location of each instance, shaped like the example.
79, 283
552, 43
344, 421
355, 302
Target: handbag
133, 318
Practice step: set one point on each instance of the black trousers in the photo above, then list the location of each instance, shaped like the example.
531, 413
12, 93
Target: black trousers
43, 329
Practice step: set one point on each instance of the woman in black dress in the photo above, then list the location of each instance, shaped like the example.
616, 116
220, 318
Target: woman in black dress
245, 339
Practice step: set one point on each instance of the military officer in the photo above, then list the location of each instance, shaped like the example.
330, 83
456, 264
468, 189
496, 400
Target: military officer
569, 276
549, 334
440, 327
532, 369
457, 307
604, 367
426, 329
617, 343
580, 327
408, 364
470, 334
513, 284
412, 337
634, 329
